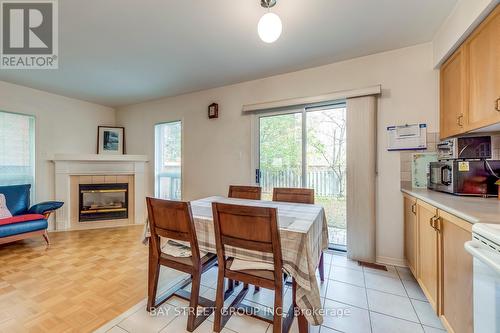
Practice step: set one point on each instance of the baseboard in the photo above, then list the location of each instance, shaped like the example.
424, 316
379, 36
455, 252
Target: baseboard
391, 261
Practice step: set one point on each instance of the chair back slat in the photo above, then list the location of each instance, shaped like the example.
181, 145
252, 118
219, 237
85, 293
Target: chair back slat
296, 195
173, 220
246, 227
245, 192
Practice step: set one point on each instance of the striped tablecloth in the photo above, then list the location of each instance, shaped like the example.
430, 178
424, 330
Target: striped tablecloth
304, 235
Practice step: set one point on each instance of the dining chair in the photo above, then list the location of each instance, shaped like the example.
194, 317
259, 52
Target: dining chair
174, 220
299, 195
245, 192
255, 229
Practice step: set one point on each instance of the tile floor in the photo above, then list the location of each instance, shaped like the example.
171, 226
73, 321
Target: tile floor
365, 301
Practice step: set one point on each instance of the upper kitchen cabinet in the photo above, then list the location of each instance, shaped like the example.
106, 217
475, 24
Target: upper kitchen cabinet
470, 81
453, 93
483, 73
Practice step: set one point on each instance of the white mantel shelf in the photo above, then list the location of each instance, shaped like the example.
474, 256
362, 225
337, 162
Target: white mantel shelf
100, 158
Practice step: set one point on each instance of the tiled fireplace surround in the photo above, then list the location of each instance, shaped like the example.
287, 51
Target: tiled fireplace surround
72, 170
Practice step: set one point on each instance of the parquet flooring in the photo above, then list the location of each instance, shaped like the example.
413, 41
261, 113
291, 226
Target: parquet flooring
83, 280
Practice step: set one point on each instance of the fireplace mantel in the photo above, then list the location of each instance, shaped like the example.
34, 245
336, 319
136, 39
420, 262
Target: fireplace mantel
67, 165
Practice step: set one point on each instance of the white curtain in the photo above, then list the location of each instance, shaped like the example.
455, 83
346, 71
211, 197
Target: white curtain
17, 149
361, 172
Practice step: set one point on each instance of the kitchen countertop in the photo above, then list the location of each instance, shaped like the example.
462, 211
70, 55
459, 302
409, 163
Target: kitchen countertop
471, 209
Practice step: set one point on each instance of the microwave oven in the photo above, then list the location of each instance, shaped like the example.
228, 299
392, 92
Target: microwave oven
469, 147
475, 178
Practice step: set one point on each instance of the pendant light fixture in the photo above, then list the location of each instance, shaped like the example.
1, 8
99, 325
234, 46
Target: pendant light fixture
269, 27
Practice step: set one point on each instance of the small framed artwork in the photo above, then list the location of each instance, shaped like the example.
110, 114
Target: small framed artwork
213, 111
110, 140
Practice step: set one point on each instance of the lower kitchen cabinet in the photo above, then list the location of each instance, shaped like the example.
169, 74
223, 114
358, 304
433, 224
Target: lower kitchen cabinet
434, 239
427, 272
410, 232
456, 308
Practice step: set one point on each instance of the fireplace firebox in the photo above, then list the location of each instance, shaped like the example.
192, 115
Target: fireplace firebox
103, 202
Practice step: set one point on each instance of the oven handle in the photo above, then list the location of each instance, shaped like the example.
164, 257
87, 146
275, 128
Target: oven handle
477, 250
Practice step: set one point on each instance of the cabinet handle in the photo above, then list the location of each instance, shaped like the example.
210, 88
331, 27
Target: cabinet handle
414, 209
459, 120
497, 104
431, 222
437, 224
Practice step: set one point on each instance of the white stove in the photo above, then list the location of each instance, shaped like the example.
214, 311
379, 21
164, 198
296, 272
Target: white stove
485, 248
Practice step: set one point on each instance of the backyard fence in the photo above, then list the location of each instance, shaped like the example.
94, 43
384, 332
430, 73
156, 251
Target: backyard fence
324, 182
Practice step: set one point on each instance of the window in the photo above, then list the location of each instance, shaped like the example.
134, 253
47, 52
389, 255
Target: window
168, 160
17, 149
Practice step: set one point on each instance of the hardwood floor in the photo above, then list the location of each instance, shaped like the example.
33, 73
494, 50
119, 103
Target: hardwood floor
83, 280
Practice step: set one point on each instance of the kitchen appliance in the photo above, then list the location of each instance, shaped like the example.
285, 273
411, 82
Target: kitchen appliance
485, 250
475, 178
471, 147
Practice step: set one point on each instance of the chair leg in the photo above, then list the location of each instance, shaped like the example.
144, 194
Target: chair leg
321, 268
153, 274
219, 301
46, 237
256, 289
193, 303
278, 309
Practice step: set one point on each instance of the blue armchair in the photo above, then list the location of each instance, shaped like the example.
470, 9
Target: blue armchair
26, 221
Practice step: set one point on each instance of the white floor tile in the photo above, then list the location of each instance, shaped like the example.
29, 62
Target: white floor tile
405, 274
428, 329
342, 261
347, 293
346, 318
295, 328
348, 275
414, 290
116, 329
246, 324
391, 271
322, 287
209, 278
144, 322
385, 283
385, 324
392, 305
426, 314
325, 329
179, 324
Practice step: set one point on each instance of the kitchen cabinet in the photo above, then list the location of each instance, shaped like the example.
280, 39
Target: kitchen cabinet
428, 263
453, 93
470, 81
410, 232
434, 246
482, 50
456, 308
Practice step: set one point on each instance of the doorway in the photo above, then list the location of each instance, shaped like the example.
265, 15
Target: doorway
306, 147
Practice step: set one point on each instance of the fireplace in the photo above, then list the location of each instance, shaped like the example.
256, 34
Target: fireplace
103, 202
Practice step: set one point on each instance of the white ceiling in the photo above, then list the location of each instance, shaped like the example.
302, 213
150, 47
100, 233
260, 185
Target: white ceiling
118, 52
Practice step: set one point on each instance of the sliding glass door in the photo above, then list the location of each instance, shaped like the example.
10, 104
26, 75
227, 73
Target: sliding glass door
168, 160
307, 148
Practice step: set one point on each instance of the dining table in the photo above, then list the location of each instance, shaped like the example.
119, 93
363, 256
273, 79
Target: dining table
303, 234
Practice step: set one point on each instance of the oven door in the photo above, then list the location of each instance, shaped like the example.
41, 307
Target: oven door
486, 286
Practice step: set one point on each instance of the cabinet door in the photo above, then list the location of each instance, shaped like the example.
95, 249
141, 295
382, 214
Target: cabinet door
483, 73
456, 292
427, 272
453, 95
410, 233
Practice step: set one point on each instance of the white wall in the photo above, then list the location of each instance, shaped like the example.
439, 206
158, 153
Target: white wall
63, 125
466, 15
216, 153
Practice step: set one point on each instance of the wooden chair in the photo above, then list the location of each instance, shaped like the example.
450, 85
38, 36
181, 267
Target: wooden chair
249, 228
245, 192
174, 220
299, 195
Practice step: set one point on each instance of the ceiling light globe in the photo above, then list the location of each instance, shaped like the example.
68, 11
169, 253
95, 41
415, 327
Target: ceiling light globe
269, 27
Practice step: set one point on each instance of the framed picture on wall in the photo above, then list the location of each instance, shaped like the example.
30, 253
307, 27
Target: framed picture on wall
110, 140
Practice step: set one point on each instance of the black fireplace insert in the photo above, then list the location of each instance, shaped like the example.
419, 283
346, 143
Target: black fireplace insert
103, 202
